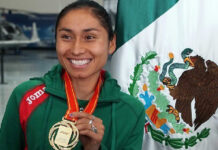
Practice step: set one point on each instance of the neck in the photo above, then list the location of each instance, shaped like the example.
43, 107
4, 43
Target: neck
84, 88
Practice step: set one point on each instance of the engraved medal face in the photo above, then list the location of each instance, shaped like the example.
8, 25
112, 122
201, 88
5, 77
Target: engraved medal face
63, 135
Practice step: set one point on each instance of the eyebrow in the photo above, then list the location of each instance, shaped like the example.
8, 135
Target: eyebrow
90, 29
85, 30
65, 29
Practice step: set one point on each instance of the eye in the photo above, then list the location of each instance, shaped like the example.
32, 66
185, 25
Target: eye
89, 37
66, 37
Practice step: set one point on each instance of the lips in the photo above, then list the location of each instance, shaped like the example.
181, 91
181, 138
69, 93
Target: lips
80, 62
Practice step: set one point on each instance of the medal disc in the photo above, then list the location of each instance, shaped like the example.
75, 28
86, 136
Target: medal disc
63, 135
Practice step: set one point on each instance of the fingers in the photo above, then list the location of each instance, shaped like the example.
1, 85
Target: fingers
85, 125
89, 125
81, 115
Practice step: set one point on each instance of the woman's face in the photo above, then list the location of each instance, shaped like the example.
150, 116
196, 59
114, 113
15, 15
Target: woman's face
82, 44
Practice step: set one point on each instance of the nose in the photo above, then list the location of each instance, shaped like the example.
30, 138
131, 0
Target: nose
78, 47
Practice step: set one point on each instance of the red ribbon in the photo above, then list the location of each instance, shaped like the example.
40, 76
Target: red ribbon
72, 103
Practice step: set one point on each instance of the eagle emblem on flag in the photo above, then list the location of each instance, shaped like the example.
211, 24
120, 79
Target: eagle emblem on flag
176, 103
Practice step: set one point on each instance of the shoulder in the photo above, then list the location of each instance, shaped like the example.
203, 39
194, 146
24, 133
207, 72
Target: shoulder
24, 88
27, 85
126, 102
132, 103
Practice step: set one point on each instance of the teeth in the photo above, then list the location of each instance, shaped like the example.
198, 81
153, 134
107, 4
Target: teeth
80, 62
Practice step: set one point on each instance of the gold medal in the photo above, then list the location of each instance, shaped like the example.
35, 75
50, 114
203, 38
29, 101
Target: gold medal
63, 135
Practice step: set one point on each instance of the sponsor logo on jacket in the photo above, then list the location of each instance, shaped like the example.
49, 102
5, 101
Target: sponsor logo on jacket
35, 96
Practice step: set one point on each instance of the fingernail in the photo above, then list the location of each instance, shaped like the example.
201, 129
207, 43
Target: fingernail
71, 115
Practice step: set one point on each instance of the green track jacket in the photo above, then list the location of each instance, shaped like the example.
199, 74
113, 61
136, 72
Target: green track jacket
122, 115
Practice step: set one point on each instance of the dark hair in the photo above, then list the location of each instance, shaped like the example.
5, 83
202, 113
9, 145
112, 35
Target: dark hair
97, 10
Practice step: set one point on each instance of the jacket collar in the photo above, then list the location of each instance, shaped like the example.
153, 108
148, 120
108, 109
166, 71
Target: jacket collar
55, 86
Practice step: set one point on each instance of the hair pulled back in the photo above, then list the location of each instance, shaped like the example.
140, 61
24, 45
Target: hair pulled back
97, 10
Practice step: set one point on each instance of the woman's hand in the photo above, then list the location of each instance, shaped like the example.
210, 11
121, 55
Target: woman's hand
91, 130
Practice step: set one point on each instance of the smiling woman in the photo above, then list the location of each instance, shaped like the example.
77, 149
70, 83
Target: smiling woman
76, 105
83, 45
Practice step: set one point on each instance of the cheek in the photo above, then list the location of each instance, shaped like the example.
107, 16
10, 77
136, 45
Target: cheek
102, 54
61, 52
102, 49
61, 49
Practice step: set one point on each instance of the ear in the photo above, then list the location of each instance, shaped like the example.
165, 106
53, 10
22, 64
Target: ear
112, 45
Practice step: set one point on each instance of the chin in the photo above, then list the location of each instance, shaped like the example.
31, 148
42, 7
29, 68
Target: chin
79, 75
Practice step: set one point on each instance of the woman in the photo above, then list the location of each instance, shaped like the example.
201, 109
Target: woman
76, 105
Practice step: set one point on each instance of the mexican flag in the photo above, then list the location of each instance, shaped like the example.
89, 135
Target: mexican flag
167, 58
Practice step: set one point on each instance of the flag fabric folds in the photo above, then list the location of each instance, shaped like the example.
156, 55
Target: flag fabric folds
167, 57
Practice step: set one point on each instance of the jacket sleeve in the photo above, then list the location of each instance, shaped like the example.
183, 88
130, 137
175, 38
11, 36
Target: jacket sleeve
11, 134
136, 138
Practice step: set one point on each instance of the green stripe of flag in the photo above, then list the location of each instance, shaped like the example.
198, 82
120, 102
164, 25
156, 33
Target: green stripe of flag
134, 15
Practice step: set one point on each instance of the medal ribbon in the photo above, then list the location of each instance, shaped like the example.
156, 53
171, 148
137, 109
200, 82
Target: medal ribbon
72, 103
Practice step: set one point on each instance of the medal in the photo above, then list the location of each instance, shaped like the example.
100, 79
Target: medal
64, 135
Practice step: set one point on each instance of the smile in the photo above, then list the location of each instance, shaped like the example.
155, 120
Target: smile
80, 62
